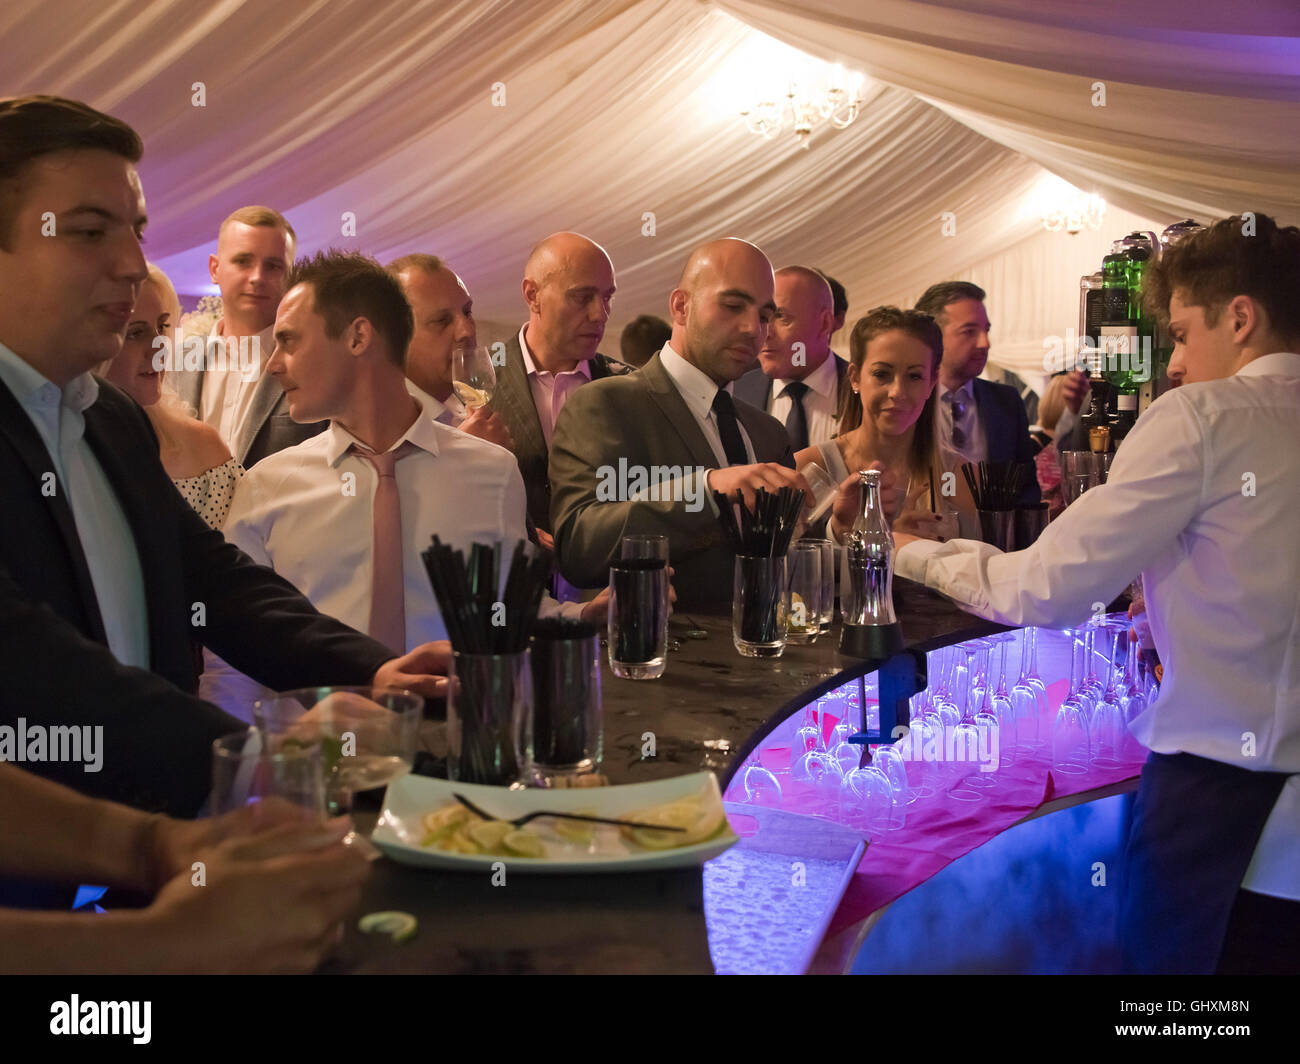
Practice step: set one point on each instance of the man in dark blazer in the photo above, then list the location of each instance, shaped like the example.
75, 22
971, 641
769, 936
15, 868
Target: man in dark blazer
108, 580
568, 285
244, 403
978, 419
674, 424
799, 380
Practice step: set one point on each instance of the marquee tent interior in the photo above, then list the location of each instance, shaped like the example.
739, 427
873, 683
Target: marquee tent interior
470, 129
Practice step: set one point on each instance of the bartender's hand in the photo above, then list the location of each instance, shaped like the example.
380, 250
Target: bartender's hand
1075, 389
424, 670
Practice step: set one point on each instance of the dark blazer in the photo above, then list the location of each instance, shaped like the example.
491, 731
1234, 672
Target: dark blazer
755, 387
57, 668
513, 400
266, 429
1006, 428
643, 419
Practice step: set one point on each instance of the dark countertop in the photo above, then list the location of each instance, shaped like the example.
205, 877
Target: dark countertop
707, 710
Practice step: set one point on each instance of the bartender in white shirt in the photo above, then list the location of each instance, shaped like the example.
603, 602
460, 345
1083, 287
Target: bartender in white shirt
1204, 499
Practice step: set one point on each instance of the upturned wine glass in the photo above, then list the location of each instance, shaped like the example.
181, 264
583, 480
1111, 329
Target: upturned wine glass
1071, 739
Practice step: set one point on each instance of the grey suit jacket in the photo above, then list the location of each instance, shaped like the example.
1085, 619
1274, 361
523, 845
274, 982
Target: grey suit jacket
268, 428
513, 400
642, 419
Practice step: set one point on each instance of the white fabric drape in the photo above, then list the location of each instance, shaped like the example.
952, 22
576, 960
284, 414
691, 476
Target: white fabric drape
615, 123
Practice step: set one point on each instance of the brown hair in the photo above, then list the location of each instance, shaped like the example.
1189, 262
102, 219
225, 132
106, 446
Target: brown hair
938, 296
265, 217
346, 286
1245, 255
924, 457
32, 126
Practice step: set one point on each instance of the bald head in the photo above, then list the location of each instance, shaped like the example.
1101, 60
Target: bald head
721, 308
568, 286
800, 338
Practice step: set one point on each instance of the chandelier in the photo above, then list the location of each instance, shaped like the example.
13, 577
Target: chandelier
804, 107
1073, 212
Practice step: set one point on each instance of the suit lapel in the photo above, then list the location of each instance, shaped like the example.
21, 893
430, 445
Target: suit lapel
670, 402
266, 394
18, 428
515, 400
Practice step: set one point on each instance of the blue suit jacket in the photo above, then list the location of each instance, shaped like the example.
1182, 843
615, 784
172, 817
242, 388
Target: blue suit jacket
1006, 428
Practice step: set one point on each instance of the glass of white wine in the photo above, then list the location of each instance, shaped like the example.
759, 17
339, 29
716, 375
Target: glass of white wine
473, 376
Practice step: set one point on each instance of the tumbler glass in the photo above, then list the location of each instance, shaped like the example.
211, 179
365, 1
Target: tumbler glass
489, 703
638, 618
804, 565
760, 606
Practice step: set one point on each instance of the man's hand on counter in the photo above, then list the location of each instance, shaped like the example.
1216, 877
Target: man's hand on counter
423, 670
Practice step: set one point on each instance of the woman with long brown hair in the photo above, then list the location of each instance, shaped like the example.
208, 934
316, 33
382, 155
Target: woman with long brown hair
888, 419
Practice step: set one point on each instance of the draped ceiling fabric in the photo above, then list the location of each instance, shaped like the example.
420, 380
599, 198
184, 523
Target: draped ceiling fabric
620, 121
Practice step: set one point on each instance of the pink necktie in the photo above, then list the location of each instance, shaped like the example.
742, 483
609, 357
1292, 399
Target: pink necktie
387, 601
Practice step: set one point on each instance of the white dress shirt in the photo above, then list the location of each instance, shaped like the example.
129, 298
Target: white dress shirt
307, 512
551, 390
820, 402
227, 394
698, 390
106, 537
1204, 498
450, 413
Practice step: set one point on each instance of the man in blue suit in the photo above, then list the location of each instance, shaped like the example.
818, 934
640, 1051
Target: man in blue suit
978, 419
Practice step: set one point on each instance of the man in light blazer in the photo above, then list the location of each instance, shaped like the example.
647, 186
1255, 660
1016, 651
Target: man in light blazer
568, 286
674, 423
236, 396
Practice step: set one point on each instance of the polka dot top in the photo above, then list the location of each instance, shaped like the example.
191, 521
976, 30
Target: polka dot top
209, 493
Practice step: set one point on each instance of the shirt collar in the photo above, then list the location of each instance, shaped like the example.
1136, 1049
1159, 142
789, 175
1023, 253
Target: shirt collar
531, 369
28, 383
823, 380
696, 386
1278, 364
423, 433
966, 392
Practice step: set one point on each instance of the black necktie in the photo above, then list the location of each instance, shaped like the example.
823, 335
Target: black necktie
796, 422
729, 429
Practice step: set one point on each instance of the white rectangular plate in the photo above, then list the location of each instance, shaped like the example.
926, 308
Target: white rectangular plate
409, 798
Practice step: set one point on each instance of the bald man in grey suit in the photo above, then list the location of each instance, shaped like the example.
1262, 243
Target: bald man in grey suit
642, 453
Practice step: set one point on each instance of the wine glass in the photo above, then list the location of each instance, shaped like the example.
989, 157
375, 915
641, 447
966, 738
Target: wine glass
367, 735
866, 800
1003, 711
762, 787
1029, 695
890, 762
1071, 741
966, 735
1108, 723
1132, 700
473, 377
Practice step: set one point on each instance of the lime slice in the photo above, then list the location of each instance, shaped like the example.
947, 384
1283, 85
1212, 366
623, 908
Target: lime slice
524, 844
699, 814
400, 927
440, 824
489, 834
576, 830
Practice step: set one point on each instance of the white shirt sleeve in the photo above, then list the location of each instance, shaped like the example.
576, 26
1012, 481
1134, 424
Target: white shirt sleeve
1096, 547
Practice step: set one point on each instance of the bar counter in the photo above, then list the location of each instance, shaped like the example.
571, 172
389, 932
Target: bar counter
709, 710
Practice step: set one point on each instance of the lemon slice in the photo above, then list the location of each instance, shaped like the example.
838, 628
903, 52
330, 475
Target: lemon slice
441, 823
524, 844
489, 833
399, 926
699, 815
576, 830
